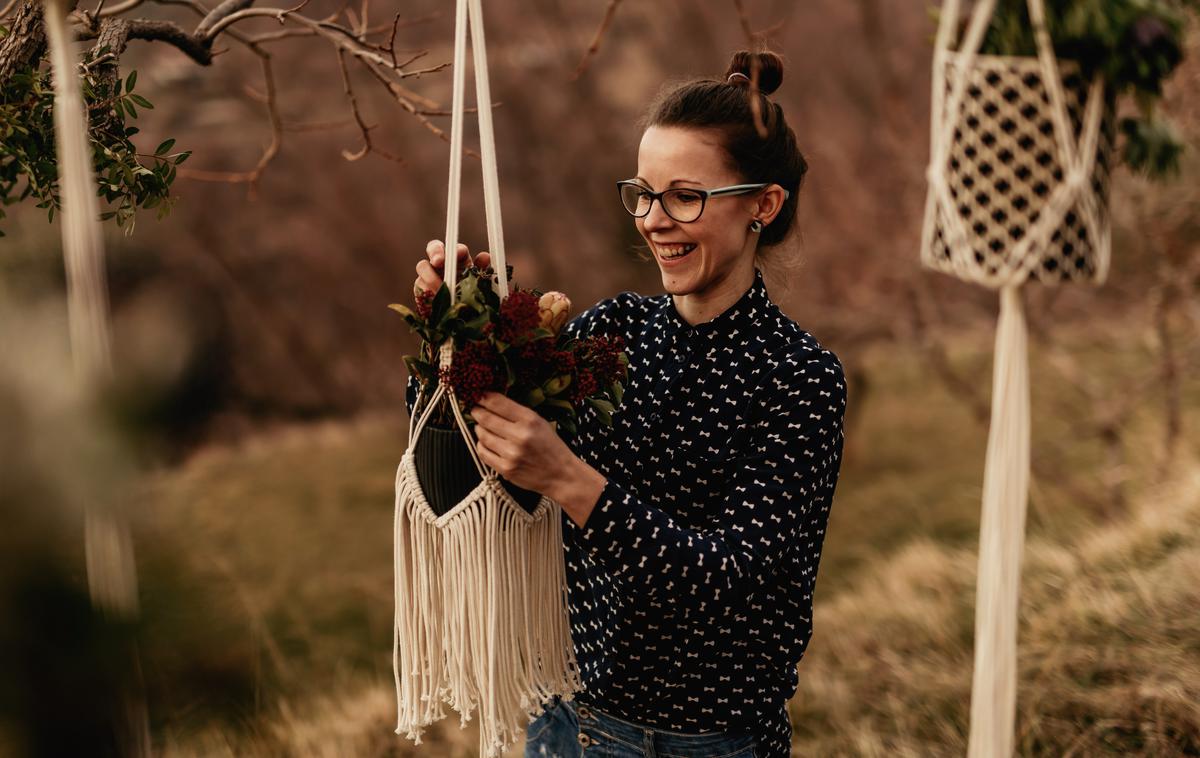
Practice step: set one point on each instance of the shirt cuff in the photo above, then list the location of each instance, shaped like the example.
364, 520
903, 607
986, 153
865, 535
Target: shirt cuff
610, 520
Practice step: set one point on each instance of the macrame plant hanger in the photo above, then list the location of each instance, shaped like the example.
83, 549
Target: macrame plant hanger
1018, 185
481, 615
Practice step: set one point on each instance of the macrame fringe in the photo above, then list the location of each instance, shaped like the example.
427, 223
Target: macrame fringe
481, 618
1001, 539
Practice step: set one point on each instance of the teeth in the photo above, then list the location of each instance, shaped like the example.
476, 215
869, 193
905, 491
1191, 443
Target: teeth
675, 251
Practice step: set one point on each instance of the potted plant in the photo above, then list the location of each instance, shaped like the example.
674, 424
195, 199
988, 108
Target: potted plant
517, 348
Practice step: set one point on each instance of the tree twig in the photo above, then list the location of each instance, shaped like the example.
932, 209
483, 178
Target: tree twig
609, 13
366, 130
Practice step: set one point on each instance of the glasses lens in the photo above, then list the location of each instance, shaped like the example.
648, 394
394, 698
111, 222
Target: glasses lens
635, 199
683, 205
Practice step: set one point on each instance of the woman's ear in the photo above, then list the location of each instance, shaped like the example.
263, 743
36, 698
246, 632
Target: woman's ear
770, 202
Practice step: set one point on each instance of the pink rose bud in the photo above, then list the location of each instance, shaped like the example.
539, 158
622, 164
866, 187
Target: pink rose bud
553, 309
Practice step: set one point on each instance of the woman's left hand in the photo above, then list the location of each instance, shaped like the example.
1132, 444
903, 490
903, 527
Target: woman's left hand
519, 444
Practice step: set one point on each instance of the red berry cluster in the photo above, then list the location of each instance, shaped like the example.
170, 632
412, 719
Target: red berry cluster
425, 304
472, 372
519, 314
532, 358
585, 385
605, 353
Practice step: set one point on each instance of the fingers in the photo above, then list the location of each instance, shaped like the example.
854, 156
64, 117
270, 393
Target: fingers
490, 458
430, 271
427, 277
435, 250
495, 444
483, 259
502, 407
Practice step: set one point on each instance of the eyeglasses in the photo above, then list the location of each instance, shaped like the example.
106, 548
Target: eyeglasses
683, 204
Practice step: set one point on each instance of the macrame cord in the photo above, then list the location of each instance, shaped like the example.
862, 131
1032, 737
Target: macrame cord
481, 617
1018, 185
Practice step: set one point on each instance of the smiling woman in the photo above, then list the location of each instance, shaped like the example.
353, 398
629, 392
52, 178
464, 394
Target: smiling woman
693, 525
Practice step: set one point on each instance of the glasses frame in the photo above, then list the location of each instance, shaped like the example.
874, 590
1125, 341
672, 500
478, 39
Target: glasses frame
705, 194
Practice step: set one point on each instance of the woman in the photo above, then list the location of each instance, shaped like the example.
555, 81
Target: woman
693, 526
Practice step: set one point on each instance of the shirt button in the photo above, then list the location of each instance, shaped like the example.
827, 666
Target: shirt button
584, 713
584, 739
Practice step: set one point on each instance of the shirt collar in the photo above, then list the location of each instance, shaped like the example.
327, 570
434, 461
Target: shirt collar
743, 314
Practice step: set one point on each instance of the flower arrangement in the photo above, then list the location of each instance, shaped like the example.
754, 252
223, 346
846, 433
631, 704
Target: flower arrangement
1134, 44
517, 348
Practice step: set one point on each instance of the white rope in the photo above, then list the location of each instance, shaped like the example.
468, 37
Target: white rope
1001, 539
491, 182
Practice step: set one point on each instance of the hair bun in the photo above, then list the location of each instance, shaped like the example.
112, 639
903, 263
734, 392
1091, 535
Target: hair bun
769, 65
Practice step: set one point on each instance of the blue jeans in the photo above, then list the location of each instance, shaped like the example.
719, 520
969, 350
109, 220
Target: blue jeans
575, 730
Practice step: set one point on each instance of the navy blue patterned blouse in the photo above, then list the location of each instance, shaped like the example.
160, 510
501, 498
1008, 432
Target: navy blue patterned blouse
691, 583
690, 587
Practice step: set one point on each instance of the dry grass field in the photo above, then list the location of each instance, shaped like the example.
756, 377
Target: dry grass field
266, 570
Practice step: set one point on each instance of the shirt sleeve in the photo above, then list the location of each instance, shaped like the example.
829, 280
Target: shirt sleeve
774, 492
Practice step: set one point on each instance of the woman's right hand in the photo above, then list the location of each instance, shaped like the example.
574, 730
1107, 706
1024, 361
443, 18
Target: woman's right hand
431, 270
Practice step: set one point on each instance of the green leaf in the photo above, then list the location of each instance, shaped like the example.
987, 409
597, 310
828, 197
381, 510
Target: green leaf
557, 402
441, 304
403, 310
557, 384
183, 157
420, 369
129, 108
617, 392
468, 292
130, 81
164, 147
603, 408
142, 102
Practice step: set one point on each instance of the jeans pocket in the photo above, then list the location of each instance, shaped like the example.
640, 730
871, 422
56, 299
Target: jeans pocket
554, 734
536, 728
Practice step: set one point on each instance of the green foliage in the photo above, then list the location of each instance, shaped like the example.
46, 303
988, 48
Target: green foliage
1134, 44
27, 148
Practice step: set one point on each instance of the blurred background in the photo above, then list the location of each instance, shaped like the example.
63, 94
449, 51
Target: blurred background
251, 433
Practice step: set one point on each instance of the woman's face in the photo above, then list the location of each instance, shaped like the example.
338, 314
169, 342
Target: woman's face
672, 156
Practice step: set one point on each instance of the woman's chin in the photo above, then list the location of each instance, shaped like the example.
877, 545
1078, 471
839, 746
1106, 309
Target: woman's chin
678, 277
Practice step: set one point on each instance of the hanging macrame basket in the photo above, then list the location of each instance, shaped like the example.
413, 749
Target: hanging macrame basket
1021, 150
481, 617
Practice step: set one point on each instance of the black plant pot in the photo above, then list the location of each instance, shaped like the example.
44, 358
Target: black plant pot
447, 472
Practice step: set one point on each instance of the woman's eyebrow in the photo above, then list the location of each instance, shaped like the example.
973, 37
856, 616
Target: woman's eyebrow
672, 183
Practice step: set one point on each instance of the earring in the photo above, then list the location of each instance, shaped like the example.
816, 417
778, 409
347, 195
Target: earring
756, 226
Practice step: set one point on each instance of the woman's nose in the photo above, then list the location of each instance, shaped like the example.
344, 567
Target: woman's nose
657, 218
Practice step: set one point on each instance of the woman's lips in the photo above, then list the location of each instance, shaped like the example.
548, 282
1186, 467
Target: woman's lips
672, 254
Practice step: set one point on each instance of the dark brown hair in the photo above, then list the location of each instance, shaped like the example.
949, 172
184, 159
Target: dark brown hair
726, 106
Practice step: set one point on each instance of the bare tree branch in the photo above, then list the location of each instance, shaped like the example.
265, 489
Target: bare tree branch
278, 13
226, 8
609, 13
